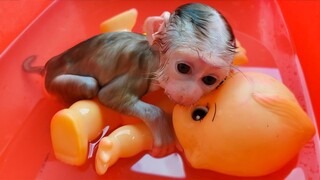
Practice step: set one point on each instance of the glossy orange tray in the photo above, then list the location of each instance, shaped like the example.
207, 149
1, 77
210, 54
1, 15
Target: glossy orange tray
26, 110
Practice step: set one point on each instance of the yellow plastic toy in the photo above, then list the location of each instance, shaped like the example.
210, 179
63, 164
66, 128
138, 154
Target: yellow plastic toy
240, 57
253, 127
121, 22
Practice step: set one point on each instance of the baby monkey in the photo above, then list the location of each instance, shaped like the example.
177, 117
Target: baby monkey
187, 53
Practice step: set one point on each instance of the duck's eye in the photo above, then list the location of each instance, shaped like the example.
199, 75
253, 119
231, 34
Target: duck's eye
199, 113
183, 68
209, 80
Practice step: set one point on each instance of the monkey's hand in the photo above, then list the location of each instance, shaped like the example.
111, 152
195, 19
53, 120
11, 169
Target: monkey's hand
163, 135
160, 125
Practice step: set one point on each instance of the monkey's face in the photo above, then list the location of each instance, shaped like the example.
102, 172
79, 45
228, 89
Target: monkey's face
187, 77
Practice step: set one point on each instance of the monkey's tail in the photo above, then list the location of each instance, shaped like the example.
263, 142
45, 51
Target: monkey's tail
27, 67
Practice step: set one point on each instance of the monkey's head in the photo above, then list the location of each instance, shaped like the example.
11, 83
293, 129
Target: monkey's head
196, 47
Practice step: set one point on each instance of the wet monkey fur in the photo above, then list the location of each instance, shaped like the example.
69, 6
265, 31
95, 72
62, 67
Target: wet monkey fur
187, 53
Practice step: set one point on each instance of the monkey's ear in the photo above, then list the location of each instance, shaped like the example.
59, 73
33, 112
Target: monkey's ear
155, 24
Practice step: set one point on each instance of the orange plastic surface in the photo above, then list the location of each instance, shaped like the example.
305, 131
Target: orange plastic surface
26, 110
12, 23
304, 29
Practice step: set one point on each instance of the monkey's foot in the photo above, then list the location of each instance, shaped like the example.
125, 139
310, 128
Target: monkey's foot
69, 141
107, 155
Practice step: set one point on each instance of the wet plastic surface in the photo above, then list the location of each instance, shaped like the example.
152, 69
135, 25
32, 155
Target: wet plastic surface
26, 110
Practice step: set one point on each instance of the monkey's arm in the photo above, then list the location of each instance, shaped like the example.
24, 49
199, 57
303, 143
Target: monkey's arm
158, 121
125, 141
124, 95
160, 125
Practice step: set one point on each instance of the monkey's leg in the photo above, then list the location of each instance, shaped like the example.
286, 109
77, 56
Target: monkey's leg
73, 87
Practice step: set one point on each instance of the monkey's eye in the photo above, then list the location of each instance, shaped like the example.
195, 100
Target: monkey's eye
199, 113
209, 80
183, 68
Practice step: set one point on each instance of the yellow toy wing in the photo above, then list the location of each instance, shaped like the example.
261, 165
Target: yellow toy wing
289, 111
124, 21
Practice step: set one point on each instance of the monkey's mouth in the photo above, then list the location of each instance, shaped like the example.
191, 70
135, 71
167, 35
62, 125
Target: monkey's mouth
180, 101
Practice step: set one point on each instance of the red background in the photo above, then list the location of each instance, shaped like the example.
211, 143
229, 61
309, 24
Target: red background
302, 18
